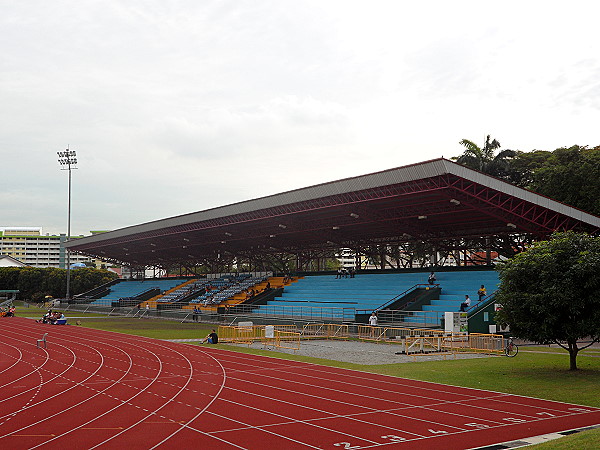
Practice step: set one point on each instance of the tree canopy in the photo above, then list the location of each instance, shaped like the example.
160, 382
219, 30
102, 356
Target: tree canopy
35, 283
484, 158
568, 174
551, 292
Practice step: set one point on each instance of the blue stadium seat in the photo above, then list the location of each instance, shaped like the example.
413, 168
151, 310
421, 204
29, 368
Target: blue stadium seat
312, 295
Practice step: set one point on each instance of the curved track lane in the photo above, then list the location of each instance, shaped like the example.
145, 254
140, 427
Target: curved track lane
96, 389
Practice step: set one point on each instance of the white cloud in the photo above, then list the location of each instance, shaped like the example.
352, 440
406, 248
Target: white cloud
178, 106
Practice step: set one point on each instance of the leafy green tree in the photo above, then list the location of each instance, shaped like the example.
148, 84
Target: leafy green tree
572, 176
524, 166
35, 283
484, 158
550, 293
84, 279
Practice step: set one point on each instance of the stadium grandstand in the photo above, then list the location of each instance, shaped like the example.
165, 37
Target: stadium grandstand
399, 223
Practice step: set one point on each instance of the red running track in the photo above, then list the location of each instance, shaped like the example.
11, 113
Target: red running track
93, 388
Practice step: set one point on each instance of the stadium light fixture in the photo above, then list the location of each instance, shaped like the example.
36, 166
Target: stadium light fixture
68, 161
228, 234
282, 226
422, 217
511, 225
271, 235
354, 215
335, 228
223, 242
454, 201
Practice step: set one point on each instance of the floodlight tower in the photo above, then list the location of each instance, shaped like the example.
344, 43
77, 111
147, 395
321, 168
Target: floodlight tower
68, 161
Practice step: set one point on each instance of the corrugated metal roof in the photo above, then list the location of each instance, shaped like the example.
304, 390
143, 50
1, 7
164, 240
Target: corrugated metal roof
387, 177
517, 192
392, 177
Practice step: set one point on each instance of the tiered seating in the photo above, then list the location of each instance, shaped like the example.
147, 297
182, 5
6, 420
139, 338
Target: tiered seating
226, 287
241, 286
132, 288
332, 295
369, 292
455, 285
182, 291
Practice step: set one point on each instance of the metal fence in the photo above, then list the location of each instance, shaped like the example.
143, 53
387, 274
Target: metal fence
325, 331
304, 313
426, 340
239, 328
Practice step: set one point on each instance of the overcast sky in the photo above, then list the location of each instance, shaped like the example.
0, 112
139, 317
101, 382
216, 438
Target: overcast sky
180, 106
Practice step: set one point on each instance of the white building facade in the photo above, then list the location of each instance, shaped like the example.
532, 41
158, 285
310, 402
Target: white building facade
30, 246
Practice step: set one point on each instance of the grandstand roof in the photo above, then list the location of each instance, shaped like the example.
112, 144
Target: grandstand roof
433, 201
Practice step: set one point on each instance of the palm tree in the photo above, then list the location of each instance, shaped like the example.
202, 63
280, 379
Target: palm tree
484, 160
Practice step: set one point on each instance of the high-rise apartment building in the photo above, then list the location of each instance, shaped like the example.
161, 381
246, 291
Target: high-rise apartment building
30, 246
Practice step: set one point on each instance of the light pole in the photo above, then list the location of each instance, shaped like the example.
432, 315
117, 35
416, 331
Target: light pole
67, 160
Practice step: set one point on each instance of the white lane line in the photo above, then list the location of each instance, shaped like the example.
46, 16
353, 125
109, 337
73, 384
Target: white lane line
34, 369
116, 382
223, 379
32, 396
51, 397
17, 360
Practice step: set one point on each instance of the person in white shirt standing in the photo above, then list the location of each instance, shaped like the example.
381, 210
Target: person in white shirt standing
373, 319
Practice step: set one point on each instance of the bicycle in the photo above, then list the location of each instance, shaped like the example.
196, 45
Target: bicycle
511, 348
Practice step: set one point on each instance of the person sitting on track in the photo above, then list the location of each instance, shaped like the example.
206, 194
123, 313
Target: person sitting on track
60, 319
212, 338
46, 317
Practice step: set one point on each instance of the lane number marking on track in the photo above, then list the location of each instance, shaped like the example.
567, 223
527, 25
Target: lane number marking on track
393, 438
346, 445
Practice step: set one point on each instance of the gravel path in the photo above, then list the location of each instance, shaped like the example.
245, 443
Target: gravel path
361, 352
